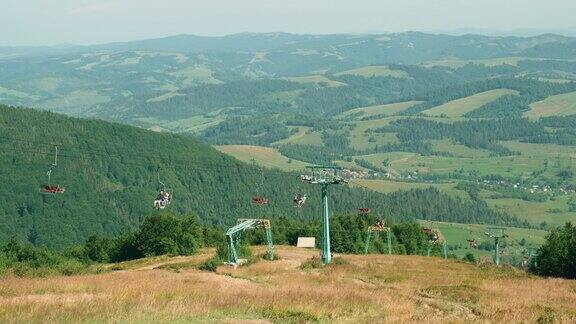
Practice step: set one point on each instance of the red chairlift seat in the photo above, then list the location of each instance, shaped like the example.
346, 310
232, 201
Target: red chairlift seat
259, 200
364, 210
53, 189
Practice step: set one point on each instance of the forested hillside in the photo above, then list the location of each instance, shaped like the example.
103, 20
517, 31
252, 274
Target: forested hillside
486, 121
110, 173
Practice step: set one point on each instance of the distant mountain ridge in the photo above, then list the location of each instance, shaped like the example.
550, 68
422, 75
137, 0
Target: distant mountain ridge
449, 44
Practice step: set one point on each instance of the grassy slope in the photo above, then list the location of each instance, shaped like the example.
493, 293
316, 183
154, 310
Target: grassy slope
301, 134
536, 212
369, 288
359, 139
459, 107
387, 186
458, 234
264, 156
375, 70
304, 137
387, 110
458, 63
563, 104
316, 78
532, 159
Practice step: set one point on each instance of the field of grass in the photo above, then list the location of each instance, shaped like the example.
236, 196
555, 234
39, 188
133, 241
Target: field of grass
165, 96
360, 140
267, 157
387, 186
304, 136
553, 212
195, 75
459, 107
193, 124
456, 149
359, 289
385, 110
458, 63
6, 93
563, 104
457, 236
316, 78
506, 166
376, 70
78, 98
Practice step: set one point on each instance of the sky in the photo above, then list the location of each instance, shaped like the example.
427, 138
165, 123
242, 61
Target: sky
49, 22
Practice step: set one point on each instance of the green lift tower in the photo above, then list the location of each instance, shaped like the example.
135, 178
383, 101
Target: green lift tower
324, 176
245, 224
380, 226
497, 233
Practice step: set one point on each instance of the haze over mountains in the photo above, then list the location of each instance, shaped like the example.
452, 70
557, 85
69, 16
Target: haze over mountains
107, 80
486, 119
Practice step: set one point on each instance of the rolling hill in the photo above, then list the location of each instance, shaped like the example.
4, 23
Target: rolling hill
111, 175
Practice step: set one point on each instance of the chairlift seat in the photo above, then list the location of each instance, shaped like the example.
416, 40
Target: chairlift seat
53, 189
259, 200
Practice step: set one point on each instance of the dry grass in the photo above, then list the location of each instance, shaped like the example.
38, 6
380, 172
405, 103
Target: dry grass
459, 107
264, 156
563, 105
363, 289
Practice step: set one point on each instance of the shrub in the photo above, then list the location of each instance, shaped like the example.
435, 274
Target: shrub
211, 264
469, 257
310, 264
557, 257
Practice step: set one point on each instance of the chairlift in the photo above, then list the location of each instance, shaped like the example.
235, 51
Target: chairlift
380, 223
164, 197
364, 210
49, 188
257, 199
473, 243
432, 235
299, 200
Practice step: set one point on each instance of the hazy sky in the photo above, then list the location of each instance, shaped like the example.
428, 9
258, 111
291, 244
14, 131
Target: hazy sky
40, 22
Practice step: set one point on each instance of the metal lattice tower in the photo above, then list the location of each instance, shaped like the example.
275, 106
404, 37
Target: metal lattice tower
245, 224
379, 227
324, 176
496, 233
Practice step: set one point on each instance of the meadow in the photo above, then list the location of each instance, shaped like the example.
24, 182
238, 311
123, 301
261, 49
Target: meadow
293, 289
563, 105
459, 107
457, 236
264, 156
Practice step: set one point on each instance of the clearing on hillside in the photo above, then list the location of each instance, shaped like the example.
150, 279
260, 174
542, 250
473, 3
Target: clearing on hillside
380, 110
459, 107
376, 70
518, 241
354, 288
458, 63
315, 78
562, 105
264, 156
